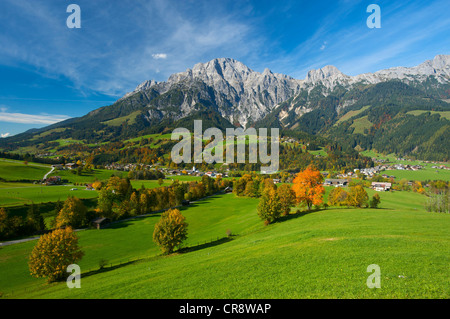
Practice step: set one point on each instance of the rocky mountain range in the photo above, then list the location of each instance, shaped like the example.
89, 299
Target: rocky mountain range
354, 110
244, 96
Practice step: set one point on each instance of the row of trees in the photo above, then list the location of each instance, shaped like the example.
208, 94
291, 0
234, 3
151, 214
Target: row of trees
356, 197
118, 200
56, 250
16, 225
307, 190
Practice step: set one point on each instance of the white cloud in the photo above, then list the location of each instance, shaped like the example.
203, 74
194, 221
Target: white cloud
21, 118
4, 135
158, 56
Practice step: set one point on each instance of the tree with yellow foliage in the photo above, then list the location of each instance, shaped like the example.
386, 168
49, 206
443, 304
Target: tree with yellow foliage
53, 253
308, 187
338, 197
170, 231
72, 214
97, 185
287, 198
269, 207
357, 196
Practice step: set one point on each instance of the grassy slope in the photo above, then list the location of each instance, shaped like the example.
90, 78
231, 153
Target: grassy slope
445, 114
318, 255
41, 194
87, 177
11, 170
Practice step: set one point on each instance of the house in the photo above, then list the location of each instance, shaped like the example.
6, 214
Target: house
52, 180
381, 187
276, 180
100, 222
228, 190
335, 182
71, 165
185, 202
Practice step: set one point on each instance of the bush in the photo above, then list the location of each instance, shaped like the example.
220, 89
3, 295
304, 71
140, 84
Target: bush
102, 263
375, 201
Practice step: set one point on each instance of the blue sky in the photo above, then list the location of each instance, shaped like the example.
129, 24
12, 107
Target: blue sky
49, 72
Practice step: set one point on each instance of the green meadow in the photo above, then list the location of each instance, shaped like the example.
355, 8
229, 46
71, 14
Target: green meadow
320, 254
11, 170
14, 196
87, 177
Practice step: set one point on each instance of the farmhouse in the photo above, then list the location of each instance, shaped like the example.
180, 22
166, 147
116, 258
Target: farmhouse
100, 222
381, 187
335, 182
71, 165
52, 180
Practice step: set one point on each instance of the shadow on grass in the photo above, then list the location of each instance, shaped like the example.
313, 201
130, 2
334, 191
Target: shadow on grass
129, 221
126, 222
201, 202
297, 215
217, 242
110, 268
303, 213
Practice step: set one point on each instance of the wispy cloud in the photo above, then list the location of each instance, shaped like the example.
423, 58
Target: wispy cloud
5, 135
119, 49
121, 45
159, 56
21, 118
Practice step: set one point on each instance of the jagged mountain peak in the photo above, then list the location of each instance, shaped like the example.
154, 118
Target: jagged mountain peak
327, 72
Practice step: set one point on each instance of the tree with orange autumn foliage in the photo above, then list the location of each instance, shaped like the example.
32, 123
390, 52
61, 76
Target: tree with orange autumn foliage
170, 231
53, 253
308, 187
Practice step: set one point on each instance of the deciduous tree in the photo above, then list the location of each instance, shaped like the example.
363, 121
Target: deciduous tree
337, 197
375, 201
269, 207
287, 198
357, 196
308, 187
72, 214
53, 253
170, 231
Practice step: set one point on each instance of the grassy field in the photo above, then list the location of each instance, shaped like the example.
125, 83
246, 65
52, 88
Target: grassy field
14, 196
11, 170
427, 173
88, 177
360, 124
420, 175
444, 114
322, 254
350, 114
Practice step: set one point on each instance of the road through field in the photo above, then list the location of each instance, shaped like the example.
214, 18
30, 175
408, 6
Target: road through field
51, 171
